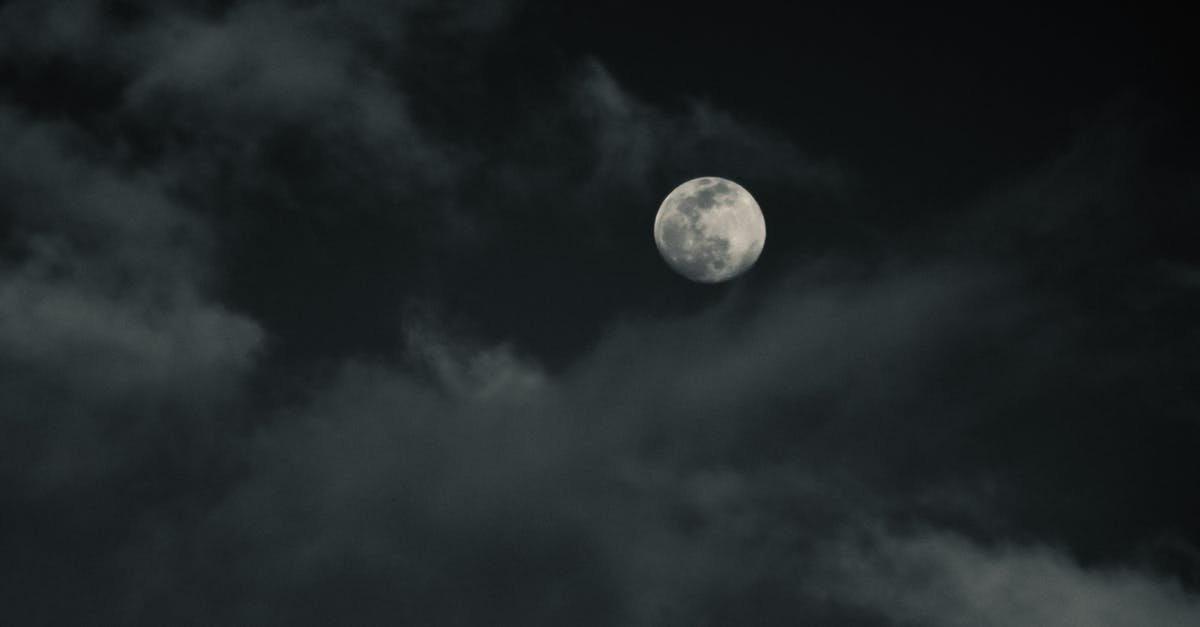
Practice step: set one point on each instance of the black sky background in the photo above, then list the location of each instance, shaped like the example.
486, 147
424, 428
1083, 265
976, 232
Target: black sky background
350, 313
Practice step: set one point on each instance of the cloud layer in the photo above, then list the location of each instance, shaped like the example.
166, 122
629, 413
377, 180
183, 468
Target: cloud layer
310, 315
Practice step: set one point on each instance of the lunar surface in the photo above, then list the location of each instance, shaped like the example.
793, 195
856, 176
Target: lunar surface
710, 229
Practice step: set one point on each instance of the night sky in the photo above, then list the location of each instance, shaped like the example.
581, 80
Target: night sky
350, 313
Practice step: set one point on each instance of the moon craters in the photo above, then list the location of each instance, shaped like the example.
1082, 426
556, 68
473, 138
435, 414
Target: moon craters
709, 229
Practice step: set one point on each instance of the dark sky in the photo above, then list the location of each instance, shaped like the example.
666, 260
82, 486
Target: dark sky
349, 313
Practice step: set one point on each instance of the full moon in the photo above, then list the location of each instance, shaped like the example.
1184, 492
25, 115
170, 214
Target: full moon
710, 229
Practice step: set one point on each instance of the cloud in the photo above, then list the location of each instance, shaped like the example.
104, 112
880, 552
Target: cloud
102, 302
636, 143
222, 416
661, 492
262, 66
449, 498
939, 578
118, 365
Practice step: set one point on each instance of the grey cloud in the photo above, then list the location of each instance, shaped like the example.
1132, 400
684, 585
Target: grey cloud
230, 87
60, 28
118, 367
66, 200
942, 579
104, 318
688, 467
454, 502
617, 494
1087, 208
107, 288
112, 347
634, 141
824, 333
1183, 274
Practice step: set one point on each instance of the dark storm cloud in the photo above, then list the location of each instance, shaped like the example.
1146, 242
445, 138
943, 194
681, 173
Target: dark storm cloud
216, 413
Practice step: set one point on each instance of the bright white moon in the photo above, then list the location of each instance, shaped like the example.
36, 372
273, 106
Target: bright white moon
710, 229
